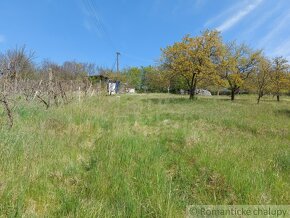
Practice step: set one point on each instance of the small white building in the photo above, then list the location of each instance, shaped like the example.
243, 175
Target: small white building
112, 88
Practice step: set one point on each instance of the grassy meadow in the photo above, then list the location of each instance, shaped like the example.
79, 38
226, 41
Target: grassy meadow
143, 156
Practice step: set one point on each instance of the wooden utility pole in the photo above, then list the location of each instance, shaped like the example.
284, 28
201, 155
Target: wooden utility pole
118, 54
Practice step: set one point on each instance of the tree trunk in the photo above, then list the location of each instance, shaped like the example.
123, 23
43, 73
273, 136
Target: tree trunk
192, 89
233, 94
258, 100
278, 97
191, 93
260, 95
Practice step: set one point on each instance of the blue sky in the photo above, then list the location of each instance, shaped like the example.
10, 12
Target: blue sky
93, 30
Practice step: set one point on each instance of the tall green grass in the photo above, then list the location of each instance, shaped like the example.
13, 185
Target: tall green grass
143, 156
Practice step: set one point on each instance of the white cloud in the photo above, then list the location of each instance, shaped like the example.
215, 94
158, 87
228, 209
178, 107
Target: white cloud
280, 25
234, 19
226, 13
264, 20
2, 38
283, 49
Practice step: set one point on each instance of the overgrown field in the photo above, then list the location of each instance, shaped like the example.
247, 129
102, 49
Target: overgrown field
143, 155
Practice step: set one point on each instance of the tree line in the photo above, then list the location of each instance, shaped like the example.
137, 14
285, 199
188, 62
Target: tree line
205, 61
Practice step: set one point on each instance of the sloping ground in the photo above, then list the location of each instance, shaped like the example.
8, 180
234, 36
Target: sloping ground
144, 155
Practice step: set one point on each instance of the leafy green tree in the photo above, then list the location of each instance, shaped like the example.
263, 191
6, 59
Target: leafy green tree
177, 83
133, 77
147, 79
157, 80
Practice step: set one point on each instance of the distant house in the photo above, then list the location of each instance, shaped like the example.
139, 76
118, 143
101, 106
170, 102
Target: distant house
112, 87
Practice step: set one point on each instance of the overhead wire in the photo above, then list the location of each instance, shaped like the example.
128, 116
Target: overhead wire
99, 24
114, 65
92, 11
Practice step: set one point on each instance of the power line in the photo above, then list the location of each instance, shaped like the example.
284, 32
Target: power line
91, 12
97, 21
113, 67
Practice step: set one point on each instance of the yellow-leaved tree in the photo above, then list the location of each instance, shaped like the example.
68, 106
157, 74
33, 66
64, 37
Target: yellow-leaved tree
236, 65
280, 76
194, 58
261, 78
